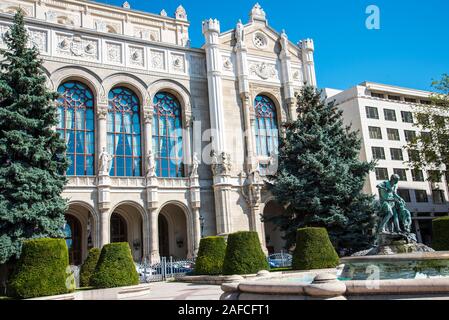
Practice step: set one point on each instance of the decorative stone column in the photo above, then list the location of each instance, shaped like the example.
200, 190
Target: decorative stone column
211, 31
104, 181
153, 218
195, 202
307, 48
287, 78
148, 134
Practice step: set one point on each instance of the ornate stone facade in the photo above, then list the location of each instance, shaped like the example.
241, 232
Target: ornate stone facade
104, 47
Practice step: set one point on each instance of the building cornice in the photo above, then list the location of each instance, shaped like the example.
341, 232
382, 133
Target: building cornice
396, 89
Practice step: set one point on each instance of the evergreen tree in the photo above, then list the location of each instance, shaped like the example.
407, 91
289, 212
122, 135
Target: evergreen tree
32, 155
320, 177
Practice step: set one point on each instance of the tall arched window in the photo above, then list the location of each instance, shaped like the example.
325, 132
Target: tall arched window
167, 136
76, 125
124, 133
265, 127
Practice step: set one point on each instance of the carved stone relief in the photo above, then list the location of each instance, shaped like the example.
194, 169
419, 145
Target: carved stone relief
263, 70
76, 46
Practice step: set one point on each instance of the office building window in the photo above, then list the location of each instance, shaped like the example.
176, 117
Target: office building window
381, 173
407, 116
375, 133
377, 95
410, 135
396, 154
395, 98
372, 113
410, 100
393, 134
402, 173
390, 115
438, 197
378, 153
421, 196
413, 156
405, 194
417, 175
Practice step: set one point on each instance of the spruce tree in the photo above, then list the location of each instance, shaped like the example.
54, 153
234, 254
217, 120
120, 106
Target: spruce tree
32, 155
320, 177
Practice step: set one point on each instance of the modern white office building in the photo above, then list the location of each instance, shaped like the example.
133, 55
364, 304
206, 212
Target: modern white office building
384, 115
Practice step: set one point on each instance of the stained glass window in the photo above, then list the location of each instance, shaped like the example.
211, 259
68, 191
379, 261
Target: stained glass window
77, 126
124, 133
167, 136
265, 127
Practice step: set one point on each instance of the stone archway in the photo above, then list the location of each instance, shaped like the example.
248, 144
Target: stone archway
80, 232
273, 236
126, 225
174, 239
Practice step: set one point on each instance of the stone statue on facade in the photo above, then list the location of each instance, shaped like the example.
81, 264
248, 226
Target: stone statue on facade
195, 165
284, 41
105, 162
221, 165
151, 165
239, 33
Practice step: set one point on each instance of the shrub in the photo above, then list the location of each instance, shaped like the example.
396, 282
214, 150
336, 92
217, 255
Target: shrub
211, 255
440, 236
42, 270
115, 267
88, 267
314, 250
244, 254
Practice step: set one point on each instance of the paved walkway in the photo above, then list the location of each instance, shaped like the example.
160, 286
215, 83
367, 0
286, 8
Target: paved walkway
183, 291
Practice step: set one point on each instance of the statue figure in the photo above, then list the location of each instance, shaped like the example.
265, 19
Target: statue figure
151, 165
105, 161
226, 162
239, 32
195, 164
396, 218
284, 41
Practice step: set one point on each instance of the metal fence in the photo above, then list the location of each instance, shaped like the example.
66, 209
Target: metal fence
168, 268
280, 260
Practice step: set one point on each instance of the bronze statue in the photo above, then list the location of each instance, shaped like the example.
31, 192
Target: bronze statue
396, 217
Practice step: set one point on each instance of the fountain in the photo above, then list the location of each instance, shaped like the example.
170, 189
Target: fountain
397, 267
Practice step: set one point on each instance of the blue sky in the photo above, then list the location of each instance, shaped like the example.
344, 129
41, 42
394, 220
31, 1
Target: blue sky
410, 49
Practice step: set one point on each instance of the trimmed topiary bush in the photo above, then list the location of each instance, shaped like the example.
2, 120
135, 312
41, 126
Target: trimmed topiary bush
115, 267
42, 270
244, 254
314, 250
440, 234
88, 267
211, 255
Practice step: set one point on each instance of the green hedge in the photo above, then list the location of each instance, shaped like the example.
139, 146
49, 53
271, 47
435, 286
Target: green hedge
244, 254
314, 250
440, 234
42, 270
115, 267
211, 255
88, 267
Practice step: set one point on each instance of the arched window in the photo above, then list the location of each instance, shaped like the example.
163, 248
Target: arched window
167, 136
265, 127
118, 229
124, 133
76, 126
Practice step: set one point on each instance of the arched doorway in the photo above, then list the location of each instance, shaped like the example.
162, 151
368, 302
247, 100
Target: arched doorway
273, 235
80, 231
174, 238
164, 244
126, 225
118, 229
73, 236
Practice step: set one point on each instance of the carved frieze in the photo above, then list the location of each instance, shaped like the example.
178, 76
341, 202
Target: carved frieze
178, 62
157, 59
114, 52
263, 70
77, 46
39, 38
136, 56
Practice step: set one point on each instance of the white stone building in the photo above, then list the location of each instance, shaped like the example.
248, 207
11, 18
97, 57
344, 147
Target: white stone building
384, 116
142, 112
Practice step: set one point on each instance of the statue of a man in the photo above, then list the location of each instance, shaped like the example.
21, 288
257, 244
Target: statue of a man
195, 165
390, 200
151, 165
239, 32
105, 161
